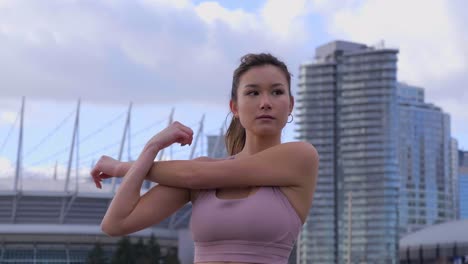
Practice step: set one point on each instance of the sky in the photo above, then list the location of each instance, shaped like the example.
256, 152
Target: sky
164, 54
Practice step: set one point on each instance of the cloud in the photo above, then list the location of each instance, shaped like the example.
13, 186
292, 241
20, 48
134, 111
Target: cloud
7, 117
239, 20
145, 51
427, 39
6, 167
431, 37
286, 18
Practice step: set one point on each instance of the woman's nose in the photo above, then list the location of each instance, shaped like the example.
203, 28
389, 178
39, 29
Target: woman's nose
265, 102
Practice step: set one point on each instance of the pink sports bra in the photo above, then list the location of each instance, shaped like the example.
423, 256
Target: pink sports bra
260, 228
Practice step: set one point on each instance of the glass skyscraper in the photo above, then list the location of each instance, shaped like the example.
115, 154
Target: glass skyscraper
463, 183
425, 161
347, 108
454, 171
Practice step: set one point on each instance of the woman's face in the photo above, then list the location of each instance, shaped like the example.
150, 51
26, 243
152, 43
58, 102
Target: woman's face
263, 100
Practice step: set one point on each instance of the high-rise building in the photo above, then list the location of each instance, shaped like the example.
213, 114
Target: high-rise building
463, 183
454, 171
347, 108
425, 161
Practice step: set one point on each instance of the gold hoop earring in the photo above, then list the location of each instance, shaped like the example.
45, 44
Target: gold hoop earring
292, 118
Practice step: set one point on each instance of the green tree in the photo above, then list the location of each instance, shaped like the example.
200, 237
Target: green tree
153, 250
171, 257
125, 253
141, 254
96, 255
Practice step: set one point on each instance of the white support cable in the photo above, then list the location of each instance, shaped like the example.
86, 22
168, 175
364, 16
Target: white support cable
63, 150
156, 123
122, 143
101, 149
9, 133
102, 128
44, 139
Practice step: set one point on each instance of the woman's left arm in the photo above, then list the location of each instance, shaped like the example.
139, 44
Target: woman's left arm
288, 164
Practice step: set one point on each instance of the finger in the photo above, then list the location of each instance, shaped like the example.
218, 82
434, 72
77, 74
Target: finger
183, 127
105, 176
187, 129
98, 184
95, 172
183, 138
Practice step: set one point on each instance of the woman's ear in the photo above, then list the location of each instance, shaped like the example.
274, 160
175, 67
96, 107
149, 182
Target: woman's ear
233, 106
291, 103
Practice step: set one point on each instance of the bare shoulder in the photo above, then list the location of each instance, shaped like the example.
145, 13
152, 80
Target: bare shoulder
301, 147
299, 150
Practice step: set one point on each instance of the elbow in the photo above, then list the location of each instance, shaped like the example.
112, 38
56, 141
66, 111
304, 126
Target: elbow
111, 230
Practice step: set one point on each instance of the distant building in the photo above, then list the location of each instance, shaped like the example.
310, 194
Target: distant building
425, 161
216, 146
454, 171
441, 243
42, 223
347, 108
463, 183
380, 142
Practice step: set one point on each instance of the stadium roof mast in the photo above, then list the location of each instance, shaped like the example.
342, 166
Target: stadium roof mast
161, 154
20, 149
171, 119
126, 133
200, 131
74, 139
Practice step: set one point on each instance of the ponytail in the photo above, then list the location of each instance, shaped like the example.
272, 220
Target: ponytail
235, 137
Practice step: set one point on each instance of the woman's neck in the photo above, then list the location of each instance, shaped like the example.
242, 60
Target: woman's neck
254, 145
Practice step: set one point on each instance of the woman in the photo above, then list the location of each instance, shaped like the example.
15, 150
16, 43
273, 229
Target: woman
248, 208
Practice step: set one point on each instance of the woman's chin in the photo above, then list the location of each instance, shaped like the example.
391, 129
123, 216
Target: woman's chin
267, 131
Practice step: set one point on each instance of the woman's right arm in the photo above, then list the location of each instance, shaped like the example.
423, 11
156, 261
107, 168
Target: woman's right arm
154, 206
130, 212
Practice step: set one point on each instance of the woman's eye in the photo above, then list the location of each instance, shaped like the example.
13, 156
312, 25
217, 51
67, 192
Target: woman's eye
252, 93
278, 92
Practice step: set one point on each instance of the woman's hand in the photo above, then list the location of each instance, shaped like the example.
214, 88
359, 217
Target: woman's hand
105, 168
174, 133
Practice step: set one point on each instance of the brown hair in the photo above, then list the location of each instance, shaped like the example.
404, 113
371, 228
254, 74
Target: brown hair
235, 134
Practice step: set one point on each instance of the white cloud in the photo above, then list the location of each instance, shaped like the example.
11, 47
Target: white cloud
239, 20
8, 117
6, 168
168, 3
286, 18
431, 36
144, 51
423, 31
